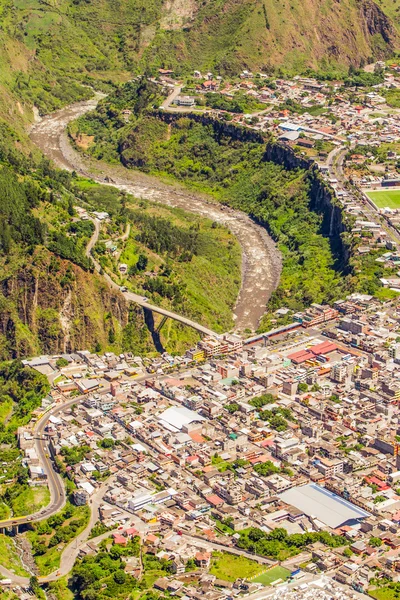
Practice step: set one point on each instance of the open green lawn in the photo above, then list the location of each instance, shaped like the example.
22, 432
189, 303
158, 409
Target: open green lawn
229, 566
388, 592
272, 575
30, 500
9, 556
386, 198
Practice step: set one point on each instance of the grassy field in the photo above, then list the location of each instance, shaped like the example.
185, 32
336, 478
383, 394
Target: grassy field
272, 575
9, 556
229, 566
30, 500
385, 593
5, 410
385, 199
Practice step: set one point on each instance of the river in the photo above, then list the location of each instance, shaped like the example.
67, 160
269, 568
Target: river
261, 261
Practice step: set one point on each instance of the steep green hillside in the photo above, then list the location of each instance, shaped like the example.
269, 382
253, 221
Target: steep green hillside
48, 48
235, 172
266, 34
50, 300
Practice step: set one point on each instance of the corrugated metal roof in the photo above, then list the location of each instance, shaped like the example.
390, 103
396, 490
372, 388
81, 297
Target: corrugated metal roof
327, 507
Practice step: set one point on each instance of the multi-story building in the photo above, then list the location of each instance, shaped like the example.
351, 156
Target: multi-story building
318, 313
339, 372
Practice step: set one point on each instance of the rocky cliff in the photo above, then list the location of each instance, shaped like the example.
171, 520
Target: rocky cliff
237, 132
49, 305
322, 199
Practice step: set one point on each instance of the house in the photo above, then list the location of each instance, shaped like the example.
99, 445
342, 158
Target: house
119, 540
203, 559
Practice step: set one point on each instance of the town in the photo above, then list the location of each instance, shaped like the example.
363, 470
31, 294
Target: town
350, 130
214, 454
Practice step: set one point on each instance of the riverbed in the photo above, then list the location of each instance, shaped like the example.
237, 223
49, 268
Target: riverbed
261, 261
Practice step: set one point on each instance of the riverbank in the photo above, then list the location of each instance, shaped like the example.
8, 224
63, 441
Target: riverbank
261, 261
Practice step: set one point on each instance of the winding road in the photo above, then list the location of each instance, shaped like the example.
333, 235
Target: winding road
261, 262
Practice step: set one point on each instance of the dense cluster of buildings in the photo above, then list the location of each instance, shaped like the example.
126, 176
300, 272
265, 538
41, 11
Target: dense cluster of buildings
298, 430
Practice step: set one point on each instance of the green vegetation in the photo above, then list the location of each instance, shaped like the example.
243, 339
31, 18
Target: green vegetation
48, 537
266, 468
230, 567
235, 173
99, 529
30, 500
103, 576
21, 391
278, 544
272, 575
176, 259
9, 556
74, 455
60, 589
393, 98
385, 198
386, 592
239, 103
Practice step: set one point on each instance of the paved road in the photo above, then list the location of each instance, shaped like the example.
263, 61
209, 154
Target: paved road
71, 551
221, 547
336, 161
174, 94
56, 486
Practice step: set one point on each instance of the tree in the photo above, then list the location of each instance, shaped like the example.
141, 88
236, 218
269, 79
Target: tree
302, 388
379, 499
34, 584
375, 542
61, 362
120, 577
71, 210
142, 262
347, 552
106, 443
232, 408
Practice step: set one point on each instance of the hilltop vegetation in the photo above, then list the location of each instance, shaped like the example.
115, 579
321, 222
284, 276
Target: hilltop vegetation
50, 51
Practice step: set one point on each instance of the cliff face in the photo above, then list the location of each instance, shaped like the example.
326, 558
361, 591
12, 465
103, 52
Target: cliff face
322, 200
236, 132
375, 22
48, 305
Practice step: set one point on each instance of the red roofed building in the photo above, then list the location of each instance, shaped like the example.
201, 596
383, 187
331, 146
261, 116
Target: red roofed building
214, 500
323, 348
300, 357
203, 559
119, 539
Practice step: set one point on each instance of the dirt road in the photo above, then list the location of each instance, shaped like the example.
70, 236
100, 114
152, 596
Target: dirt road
261, 265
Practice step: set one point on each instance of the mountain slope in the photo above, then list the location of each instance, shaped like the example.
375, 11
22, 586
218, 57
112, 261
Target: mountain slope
48, 46
293, 34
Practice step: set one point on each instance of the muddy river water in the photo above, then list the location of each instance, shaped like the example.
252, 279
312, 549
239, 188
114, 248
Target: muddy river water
261, 262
